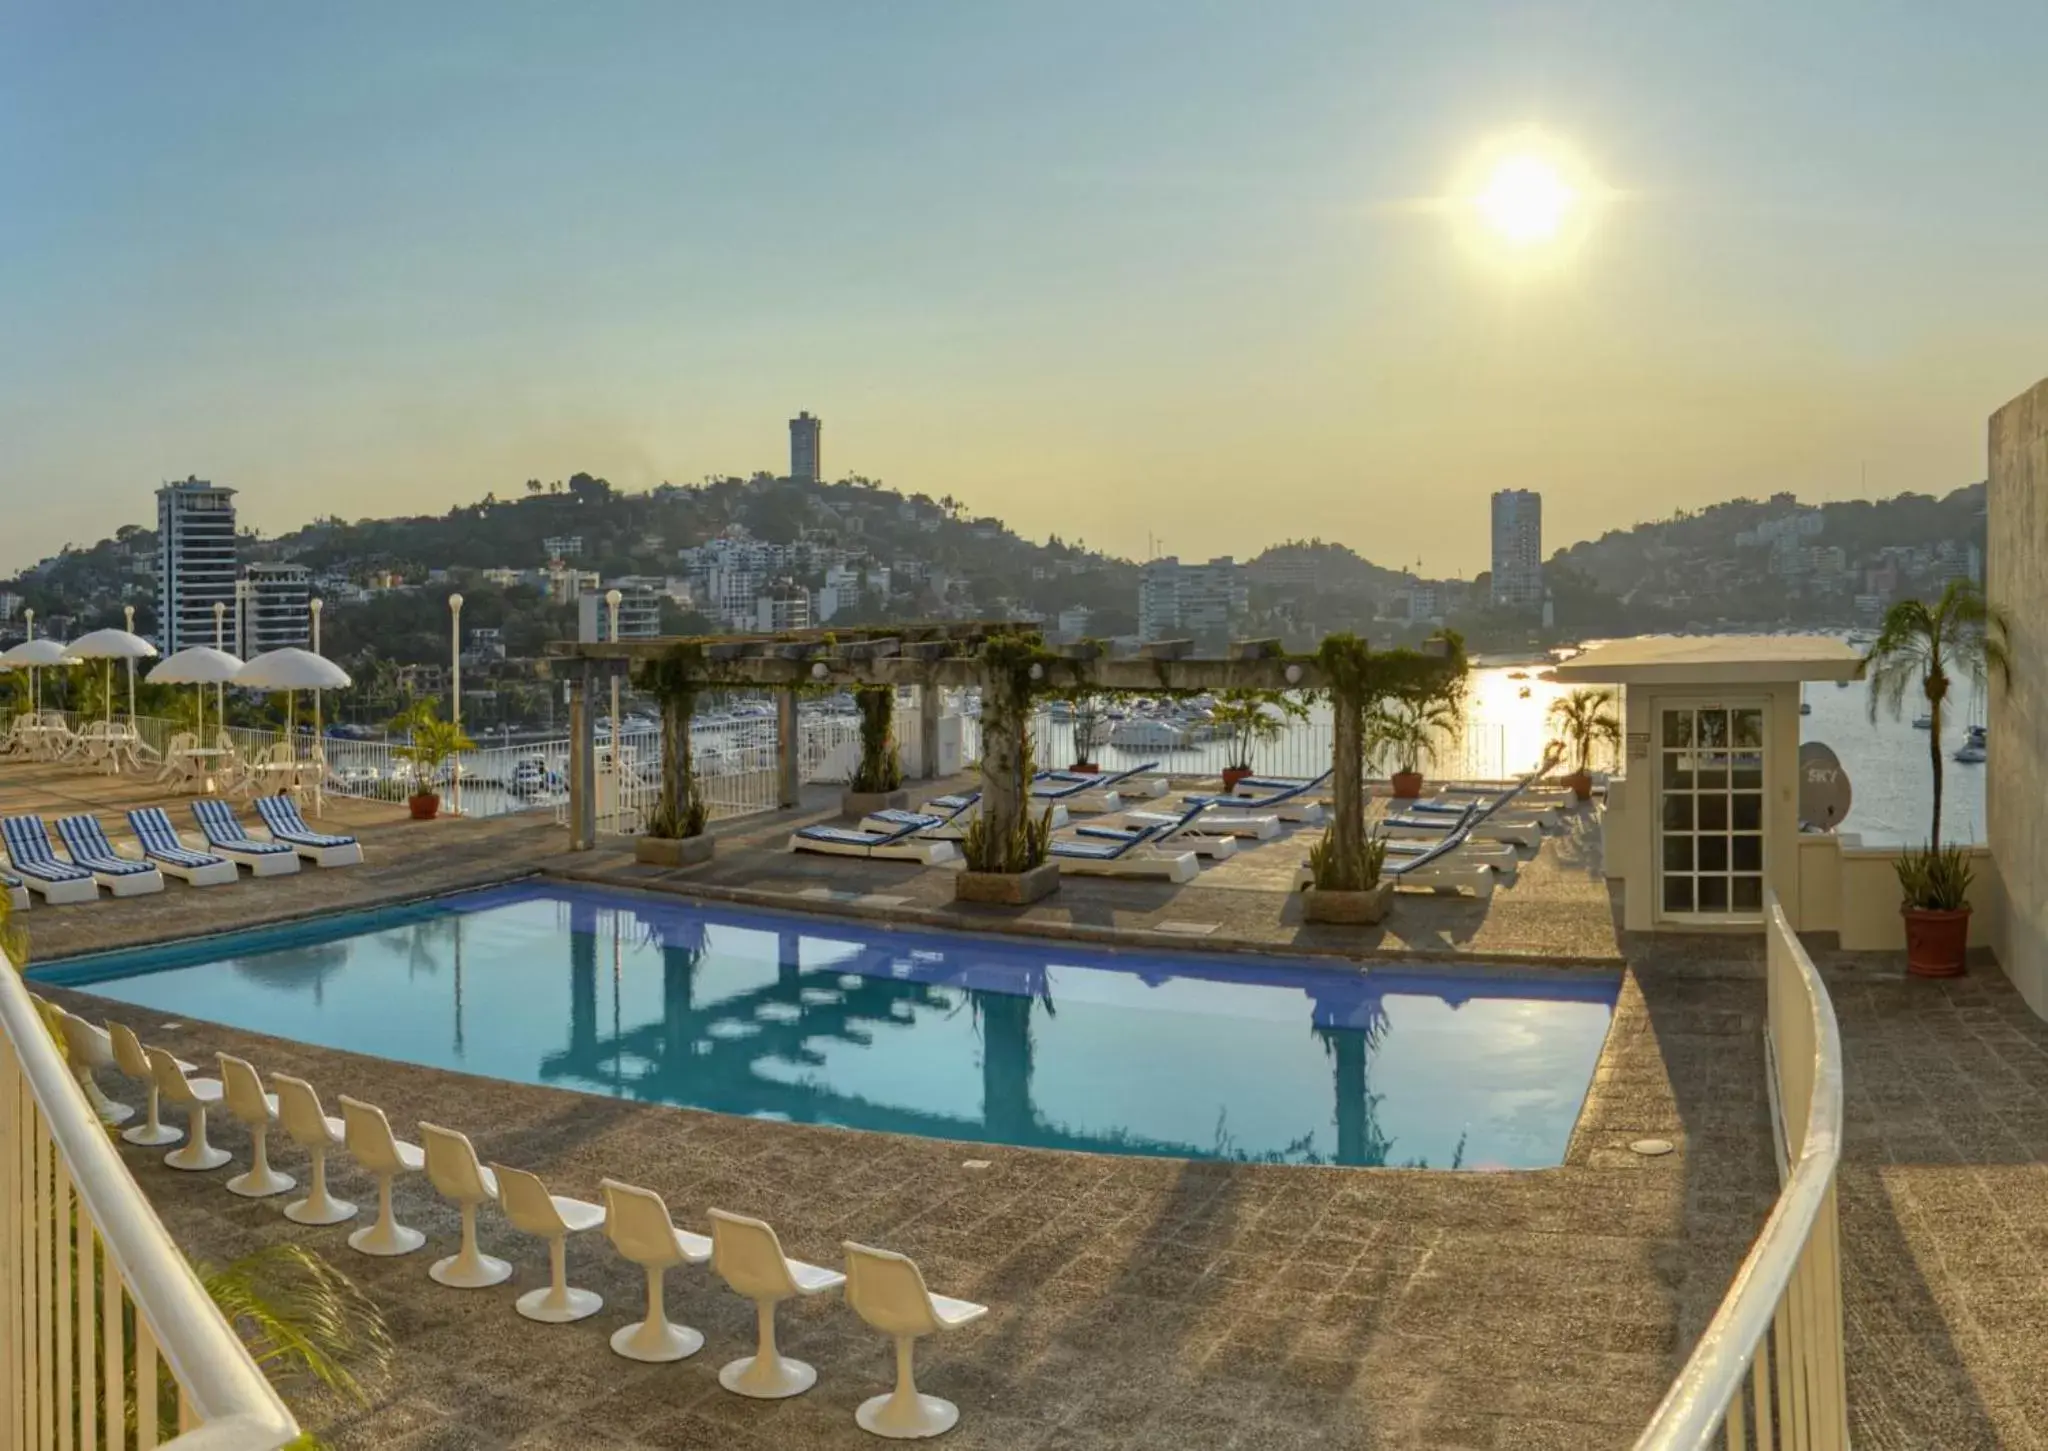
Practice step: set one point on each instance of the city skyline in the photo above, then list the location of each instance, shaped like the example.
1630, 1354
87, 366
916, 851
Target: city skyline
371, 263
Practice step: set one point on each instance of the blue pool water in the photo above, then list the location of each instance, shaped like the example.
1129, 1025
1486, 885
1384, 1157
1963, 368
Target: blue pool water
946, 1035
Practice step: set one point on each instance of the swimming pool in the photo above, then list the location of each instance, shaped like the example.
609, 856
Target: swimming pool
946, 1035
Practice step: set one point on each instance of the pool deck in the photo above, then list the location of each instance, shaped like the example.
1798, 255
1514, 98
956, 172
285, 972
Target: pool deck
1147, 1303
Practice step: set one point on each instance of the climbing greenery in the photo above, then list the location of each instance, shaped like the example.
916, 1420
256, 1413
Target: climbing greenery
880, 769
673, 679
1370, 678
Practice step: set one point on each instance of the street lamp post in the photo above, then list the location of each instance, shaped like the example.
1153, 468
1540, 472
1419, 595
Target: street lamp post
455, 691
128, 613
34, 702
220, 689
319, 727
611, 599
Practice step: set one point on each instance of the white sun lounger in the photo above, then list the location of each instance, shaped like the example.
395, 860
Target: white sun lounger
324, 849
118, 874
1096, 791
1136, 854
1544, 816
224, 834
905, 843
16, 890
28, 848
1521, 831
1443, 867
160, 843
1122, 824
1289, 798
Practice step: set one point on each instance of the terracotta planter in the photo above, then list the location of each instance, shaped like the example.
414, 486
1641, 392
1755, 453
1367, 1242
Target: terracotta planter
1581, 783
1232, 775
1407, 784
1348, 909
1087, 766
856, 804
673, 851
1936, 942
1008, 889
425, 806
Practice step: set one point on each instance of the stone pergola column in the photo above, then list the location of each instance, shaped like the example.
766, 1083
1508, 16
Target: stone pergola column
1347, 780
788, 750
1005, 793
929, 703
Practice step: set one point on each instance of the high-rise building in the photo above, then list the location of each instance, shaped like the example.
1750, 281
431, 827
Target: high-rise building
1517, 549
639, 615
196, 566
784, 605
1196, 599
273, 609
806, 448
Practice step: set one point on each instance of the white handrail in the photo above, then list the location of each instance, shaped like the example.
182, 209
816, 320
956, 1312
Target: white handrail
225, 1403
1782, 1315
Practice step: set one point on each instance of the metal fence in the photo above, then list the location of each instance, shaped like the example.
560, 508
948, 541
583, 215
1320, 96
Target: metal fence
106, 1337
1768, 1372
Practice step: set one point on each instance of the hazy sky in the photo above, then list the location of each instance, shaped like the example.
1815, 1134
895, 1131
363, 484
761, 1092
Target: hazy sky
1101, 267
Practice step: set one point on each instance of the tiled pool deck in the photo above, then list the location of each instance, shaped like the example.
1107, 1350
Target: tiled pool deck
1147, 1303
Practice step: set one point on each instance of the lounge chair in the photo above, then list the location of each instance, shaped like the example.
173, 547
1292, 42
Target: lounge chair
224, 833
887, 1291
1211, 822
90, 849
160, 844
747, 1256
195, 1096
944, 818
1095, 790
552, 1217
1441, 826
131, 1059
310, 1127
1499, 855
384, 1156
1124, 825
247, 1100
1442, 867
1544, 816
88, 1047
904, 843
1289, 798
640, 1228
281, 818
16, 890
454, 1170
28, 849
1133, 855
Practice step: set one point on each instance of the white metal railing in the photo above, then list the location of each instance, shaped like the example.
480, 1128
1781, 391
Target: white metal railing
1768, 1371
96, 1302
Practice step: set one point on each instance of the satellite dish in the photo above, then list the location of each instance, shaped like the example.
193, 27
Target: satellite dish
1824, 794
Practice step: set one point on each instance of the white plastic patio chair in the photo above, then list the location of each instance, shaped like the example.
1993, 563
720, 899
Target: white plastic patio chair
552, 1217
886, 1290
639, 1226
383, 1156
747, 1256
454, 1171
90, 1048
152, 1132
193, 1095
244, 1095
310, 1127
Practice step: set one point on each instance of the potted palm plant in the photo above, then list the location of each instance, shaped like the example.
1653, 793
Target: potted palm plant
1583, 720
1407, 732
1923, 648
431, 745
1249, 719
1087, 729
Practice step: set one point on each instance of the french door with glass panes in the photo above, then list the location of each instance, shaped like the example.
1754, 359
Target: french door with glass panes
1711, 811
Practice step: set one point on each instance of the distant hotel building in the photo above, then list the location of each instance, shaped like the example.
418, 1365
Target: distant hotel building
196, 568
806, 448
639, 616
1518, 549
273, 609
1191, 599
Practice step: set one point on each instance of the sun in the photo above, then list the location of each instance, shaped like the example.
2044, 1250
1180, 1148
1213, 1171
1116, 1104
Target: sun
1525, 199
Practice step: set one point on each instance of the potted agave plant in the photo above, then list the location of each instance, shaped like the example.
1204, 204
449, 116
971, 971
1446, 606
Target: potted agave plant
431, 746
1922, 648
877, 783
1345, 886
1249, 719
1014, 870
1584, 719
675, 828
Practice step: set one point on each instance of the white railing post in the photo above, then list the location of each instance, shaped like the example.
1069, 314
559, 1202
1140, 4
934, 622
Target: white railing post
63, 1192
1780, 1326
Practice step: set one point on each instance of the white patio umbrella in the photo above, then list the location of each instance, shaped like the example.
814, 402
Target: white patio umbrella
293, 670
112, 645
202, 665
35, 656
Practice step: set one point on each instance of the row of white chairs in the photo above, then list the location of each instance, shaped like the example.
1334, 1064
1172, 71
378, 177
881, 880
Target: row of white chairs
885, 1289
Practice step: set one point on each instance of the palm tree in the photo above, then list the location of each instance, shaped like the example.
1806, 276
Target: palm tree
1584, 719
1960, 634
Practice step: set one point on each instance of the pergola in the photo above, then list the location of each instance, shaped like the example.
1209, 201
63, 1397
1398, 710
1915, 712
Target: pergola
1008, 663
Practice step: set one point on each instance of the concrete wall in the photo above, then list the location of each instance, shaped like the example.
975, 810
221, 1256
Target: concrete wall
1852, 889
2016, 578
